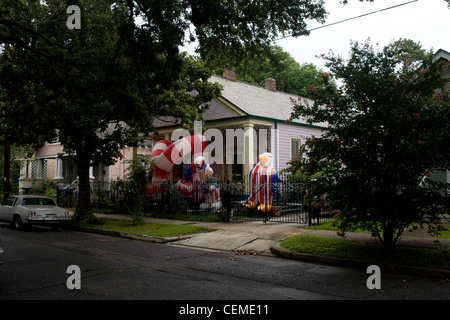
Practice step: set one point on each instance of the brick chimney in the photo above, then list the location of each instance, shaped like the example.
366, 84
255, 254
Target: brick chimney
229, 74
270, 84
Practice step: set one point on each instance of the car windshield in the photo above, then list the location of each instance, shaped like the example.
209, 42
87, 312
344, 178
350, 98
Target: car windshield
10, 201
38, 202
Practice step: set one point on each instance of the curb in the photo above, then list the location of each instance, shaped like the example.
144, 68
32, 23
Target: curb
361, 264
134, 236
284, 253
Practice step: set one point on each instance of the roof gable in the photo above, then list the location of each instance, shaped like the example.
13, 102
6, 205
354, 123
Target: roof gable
219, 108
441, 54
259, 101
240, 98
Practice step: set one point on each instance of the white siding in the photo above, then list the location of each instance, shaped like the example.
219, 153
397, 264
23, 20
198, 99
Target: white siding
285, 133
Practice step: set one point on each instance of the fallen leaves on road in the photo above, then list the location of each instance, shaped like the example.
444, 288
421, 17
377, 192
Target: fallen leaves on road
246, 252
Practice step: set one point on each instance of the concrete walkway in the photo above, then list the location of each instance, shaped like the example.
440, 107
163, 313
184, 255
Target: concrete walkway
258, 237
242, 236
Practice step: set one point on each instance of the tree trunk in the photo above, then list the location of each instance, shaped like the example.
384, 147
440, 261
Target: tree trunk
7, 171
388, 236
83, 213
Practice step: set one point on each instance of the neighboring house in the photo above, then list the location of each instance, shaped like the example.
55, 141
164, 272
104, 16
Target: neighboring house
443, 57
50, 163
259, 114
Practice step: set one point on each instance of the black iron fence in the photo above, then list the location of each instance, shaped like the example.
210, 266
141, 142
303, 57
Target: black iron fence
232, 201
103, 194
225, 201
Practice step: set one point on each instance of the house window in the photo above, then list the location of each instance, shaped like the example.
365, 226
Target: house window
295, 147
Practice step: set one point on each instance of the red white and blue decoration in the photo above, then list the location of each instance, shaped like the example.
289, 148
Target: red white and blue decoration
262, 180
196, 183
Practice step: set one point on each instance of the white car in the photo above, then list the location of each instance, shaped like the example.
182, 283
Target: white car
24, 210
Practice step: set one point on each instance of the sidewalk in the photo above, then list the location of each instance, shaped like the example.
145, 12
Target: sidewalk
255, 237
238, 236
246, 236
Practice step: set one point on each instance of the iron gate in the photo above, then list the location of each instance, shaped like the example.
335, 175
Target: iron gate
230, 202
287, 203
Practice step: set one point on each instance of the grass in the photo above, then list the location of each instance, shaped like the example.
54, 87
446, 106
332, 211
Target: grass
189, 216
343, 248
150, 228
445, 234
329, 226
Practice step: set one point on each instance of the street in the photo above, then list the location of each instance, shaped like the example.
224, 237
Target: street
36, 263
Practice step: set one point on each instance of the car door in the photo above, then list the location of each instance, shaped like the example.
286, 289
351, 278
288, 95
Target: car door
7, 209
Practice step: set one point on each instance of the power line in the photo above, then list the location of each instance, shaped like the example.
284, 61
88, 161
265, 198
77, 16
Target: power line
357, 17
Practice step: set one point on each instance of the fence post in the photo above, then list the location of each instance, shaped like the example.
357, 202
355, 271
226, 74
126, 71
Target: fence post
228, 200
169, 191
309, 196
163, 196
309, 215
57, 193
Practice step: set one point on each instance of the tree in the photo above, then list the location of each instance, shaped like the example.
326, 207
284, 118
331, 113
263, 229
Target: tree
388, 127
9, 151
102, 85
273, 62
96, 88
228, 30
134, 187
9, 166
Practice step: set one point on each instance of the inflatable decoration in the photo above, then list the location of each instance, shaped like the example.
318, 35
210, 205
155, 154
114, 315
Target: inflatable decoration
211, 197
208, 192
166, 154
195, 184
153, 191
262, 180
184, 186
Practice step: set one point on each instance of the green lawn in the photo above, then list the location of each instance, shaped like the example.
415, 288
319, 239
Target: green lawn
150, 228
329, 226
343, 248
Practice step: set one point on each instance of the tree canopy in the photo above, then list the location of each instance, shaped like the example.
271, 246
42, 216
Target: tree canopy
388, 127
101, 85
273, 62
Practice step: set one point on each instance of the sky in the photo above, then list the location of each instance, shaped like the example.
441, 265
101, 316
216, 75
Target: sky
424, 21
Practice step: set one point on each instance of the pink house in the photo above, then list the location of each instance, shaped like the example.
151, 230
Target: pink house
250, 119
49, 163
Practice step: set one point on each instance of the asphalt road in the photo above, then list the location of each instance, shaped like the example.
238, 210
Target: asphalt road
36, 265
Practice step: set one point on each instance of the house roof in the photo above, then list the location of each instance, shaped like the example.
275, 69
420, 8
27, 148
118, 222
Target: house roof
258, 101
442, 54
245, 99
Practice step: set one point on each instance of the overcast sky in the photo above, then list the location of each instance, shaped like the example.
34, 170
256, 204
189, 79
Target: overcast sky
424, 21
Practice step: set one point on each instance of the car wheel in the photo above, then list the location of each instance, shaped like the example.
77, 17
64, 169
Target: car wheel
18, 223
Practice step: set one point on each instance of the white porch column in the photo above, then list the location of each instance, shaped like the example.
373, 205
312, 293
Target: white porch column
58, 169
23, 169
248, 148
91, 173
39, 169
